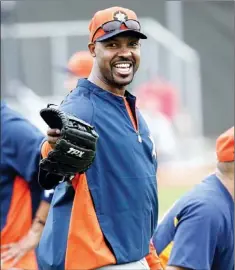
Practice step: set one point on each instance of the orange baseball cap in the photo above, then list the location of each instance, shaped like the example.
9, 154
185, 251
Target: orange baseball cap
80, 64
225, 146
113, 14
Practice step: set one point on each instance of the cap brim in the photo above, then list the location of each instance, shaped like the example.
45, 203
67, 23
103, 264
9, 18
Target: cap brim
119, 32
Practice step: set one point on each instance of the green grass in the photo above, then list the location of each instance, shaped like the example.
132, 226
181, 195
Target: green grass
168, 195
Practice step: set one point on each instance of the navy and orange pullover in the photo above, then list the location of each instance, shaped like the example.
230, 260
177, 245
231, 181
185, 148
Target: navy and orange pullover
107, 215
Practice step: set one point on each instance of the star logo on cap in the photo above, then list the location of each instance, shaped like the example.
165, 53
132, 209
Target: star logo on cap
120, 16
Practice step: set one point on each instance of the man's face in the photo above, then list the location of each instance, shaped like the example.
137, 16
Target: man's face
118, 59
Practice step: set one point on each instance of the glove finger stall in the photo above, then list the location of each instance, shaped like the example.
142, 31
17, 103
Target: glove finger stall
53, 117
59, 156
75, 151
58, 168
81, 138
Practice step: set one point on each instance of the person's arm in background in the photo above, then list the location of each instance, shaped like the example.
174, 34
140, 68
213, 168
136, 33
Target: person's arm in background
25, 142
153, 259
28, 242
32, 238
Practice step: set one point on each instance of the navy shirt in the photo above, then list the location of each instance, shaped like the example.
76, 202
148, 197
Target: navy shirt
197, 232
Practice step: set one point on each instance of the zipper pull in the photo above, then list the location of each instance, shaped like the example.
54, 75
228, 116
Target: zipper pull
139, 137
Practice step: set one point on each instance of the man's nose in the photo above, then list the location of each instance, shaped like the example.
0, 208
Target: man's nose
125, 52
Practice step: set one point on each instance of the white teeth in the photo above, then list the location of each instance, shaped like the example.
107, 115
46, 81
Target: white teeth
123, 65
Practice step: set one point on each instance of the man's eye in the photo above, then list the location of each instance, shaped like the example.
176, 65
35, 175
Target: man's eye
112, 45
134, 44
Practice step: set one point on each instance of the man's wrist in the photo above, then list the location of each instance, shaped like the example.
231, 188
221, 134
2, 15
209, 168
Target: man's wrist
38, 225
39, 220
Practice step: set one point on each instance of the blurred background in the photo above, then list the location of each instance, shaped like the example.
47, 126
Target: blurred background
185, 85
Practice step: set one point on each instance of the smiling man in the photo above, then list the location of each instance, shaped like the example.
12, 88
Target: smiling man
106, 217
115, 44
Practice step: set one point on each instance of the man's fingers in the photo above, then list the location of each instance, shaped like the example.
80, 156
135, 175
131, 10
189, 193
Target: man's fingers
52, 136
6, 254
13, 252
17, 258
7, 246
52, 140
10, 253
8, 257
53, 132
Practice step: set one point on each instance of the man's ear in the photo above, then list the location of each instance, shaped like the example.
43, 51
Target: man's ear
91, 47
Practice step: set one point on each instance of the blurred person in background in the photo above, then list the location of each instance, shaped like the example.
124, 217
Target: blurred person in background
198, 231
106, 218
79, 66
24, 205
158, 103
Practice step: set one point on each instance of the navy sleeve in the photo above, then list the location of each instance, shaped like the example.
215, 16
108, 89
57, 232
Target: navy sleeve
24, 147
196, 237
80, 107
